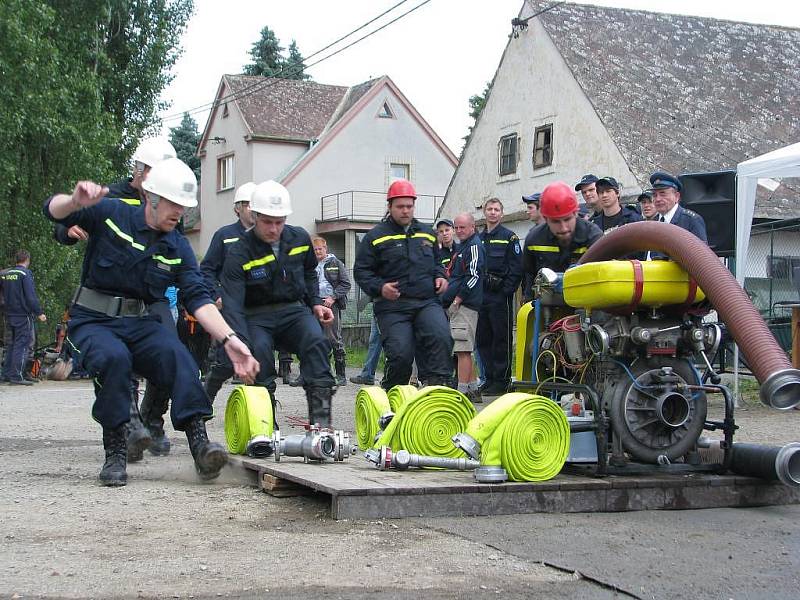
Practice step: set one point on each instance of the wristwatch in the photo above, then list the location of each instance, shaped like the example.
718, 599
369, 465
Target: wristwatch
227, 338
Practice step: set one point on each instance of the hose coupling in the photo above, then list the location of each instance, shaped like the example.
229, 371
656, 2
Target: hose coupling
468, 444
401, 460
315, 444
260, 446
781, 390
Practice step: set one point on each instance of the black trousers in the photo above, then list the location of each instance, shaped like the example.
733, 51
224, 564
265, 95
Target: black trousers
412, 328
493, 338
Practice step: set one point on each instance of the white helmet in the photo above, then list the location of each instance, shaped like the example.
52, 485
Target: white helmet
174, 180
272, 199
153, 150
244, 193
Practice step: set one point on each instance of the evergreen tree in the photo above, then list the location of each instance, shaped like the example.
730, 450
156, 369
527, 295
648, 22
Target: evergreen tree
294, 66
269, 60
185, 138
476, 104
266, 55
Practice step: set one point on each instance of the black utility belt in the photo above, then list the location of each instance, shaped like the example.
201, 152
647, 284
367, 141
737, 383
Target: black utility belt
112, 306
270, 308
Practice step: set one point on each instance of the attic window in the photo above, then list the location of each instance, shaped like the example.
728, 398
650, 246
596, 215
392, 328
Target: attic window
385, 112
508, 154
224, 110
543, 146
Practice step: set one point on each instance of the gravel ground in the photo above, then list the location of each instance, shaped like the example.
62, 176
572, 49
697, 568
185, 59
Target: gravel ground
165, 535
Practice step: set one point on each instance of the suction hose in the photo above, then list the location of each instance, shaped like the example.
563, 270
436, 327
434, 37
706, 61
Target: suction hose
427, 421
527, 435
248, 421
780, 383
768, 462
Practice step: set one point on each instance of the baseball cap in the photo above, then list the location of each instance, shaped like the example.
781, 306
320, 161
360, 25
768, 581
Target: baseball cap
585, 180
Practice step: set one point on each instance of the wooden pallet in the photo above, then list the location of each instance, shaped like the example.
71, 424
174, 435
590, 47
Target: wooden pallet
359, 491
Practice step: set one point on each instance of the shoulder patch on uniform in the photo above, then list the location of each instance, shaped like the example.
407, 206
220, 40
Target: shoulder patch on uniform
517, 247
690, 212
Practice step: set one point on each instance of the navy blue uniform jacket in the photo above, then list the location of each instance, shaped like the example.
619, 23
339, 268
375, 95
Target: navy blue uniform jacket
466, 274
19, 295
390, 253
503, 262
690, 221
253, 276
125, 257
214, 260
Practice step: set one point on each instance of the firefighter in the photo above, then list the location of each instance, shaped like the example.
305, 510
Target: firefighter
270, 293
397, 265
212, 265
563, 238
132, 256
495, 319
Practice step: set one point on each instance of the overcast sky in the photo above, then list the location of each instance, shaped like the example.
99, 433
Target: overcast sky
439, 55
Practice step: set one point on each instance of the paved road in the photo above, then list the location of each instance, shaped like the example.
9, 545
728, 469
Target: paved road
165, 535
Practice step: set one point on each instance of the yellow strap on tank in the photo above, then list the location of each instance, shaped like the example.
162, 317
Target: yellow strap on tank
248, 414
528, 435
371, 404
426, 422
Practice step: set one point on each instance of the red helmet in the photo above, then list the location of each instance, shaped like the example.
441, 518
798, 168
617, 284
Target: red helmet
401, 188
558, 201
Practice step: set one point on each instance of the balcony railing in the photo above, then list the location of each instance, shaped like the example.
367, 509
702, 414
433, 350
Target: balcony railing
371, 206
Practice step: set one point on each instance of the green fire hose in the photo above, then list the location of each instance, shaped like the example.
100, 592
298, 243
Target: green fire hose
248, 421
427, 420
400, 394
371, 404
526, 434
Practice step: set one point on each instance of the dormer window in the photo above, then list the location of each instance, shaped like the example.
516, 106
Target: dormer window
385, 112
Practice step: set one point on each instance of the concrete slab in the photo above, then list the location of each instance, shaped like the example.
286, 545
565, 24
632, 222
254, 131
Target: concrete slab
358, 491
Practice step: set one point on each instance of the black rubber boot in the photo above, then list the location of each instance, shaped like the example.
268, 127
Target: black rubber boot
285, 366
319, 406
138, 438
297, 381
154, 405
114, 471
341, 376
209, 457
218, 375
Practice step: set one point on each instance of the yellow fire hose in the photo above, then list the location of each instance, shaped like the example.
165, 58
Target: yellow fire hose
527, 435
248, 421
427, 421
400, 394
371, 404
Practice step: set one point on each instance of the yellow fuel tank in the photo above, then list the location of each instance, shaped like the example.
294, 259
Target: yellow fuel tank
620, 283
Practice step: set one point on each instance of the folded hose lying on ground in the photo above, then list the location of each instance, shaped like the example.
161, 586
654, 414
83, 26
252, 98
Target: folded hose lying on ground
399, 395
423, 424
526, 434
248, 421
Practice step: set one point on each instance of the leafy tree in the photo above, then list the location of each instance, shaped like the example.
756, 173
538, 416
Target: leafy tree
266, 55
269, 60
476, 104
81, 82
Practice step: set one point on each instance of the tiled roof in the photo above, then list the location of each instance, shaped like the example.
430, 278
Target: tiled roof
283, 107
682, 93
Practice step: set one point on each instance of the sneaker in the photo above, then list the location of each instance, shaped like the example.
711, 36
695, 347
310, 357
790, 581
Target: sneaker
475, 396
361, 380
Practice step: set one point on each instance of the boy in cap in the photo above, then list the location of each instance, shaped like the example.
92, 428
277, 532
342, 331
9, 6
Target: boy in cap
587, 187
532, 202
611, 214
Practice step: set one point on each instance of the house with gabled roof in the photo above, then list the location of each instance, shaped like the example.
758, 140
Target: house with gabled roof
588, 89
335, 148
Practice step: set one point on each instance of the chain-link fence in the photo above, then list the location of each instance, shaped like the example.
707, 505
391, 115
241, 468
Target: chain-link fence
772, 274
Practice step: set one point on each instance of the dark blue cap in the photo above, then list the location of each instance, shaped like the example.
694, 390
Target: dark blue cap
445, 221
645, 194
533, 198
661, 180
608, 182
585, 180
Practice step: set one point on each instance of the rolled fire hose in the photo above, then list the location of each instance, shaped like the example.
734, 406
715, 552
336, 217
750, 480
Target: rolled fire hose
248, 421
399, 395
371, 404
525, 434
426, 422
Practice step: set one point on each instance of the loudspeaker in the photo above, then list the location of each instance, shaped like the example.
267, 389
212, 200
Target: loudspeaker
713, 197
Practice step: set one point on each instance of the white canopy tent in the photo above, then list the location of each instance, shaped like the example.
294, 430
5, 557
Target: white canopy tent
784, 162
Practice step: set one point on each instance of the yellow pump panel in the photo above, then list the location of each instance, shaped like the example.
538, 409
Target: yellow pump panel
613, 283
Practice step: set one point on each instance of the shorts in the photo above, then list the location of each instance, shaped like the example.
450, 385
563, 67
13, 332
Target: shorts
463, 324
